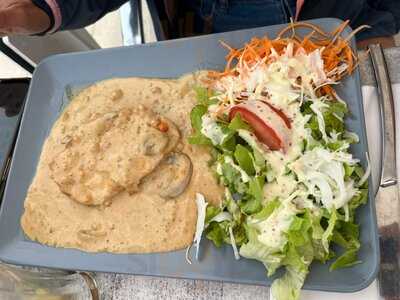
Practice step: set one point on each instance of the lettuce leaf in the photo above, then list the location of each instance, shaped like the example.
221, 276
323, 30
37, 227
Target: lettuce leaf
348, 171
313, 125
358, 200
204, 96
215, 232
346, 235
298, 257
289, 285
332, 123
333, 115
338, 108
250, 205
267, 210
251, 202
239, 232
197, 138
256, 188
300, 251
347, 259
316, 235
211, 212
232, 179
237, 123
218, 231
244, 159
254, 249
327, 235
233, 207
195, 116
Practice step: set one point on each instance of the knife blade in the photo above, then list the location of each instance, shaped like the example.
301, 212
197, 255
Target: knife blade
387, 200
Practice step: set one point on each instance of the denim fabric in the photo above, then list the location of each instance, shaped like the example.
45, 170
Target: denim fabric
227, 15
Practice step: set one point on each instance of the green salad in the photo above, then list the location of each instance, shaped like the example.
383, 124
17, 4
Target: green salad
280, 148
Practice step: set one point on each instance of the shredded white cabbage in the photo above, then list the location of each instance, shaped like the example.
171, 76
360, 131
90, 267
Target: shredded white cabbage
325, 192
277, 78
201, 215
351, 136
367, 171
316, 107
211, 130
323, 174
233, 243
187, 254
222, 216
316, 65
219, 168
346, 212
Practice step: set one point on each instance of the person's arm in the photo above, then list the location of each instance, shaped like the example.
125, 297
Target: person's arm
42, 16
73, 14
22, 17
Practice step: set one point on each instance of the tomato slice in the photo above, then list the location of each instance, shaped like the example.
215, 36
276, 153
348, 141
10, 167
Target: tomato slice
280, 114
271, 126
264, 133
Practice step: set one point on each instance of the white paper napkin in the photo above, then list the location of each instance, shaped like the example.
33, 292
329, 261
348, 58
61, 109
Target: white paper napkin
372, 120
373, 124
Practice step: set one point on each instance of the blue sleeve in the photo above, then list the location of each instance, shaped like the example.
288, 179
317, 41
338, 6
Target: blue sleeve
74, 14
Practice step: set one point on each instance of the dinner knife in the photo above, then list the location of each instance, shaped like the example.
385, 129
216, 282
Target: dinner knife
387, 201
386, 103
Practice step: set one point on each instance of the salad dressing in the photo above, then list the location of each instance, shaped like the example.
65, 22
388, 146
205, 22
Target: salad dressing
273, 229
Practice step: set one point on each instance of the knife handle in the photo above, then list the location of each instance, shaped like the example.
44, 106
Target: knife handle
386, 103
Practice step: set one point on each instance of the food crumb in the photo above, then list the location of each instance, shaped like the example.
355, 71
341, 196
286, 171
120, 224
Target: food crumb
116, 95
162, 126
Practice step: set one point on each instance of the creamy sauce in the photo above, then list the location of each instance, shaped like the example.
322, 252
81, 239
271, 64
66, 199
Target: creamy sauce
139, 221
282, 187
273, 228
211, 130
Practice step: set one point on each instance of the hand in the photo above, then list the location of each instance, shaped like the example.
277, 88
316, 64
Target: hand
22, 17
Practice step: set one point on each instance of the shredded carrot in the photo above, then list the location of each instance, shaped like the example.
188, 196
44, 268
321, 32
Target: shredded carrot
336, 33
292, 26
336, 51
327, 89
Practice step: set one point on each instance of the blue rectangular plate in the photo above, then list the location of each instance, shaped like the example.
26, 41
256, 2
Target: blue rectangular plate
167, 59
